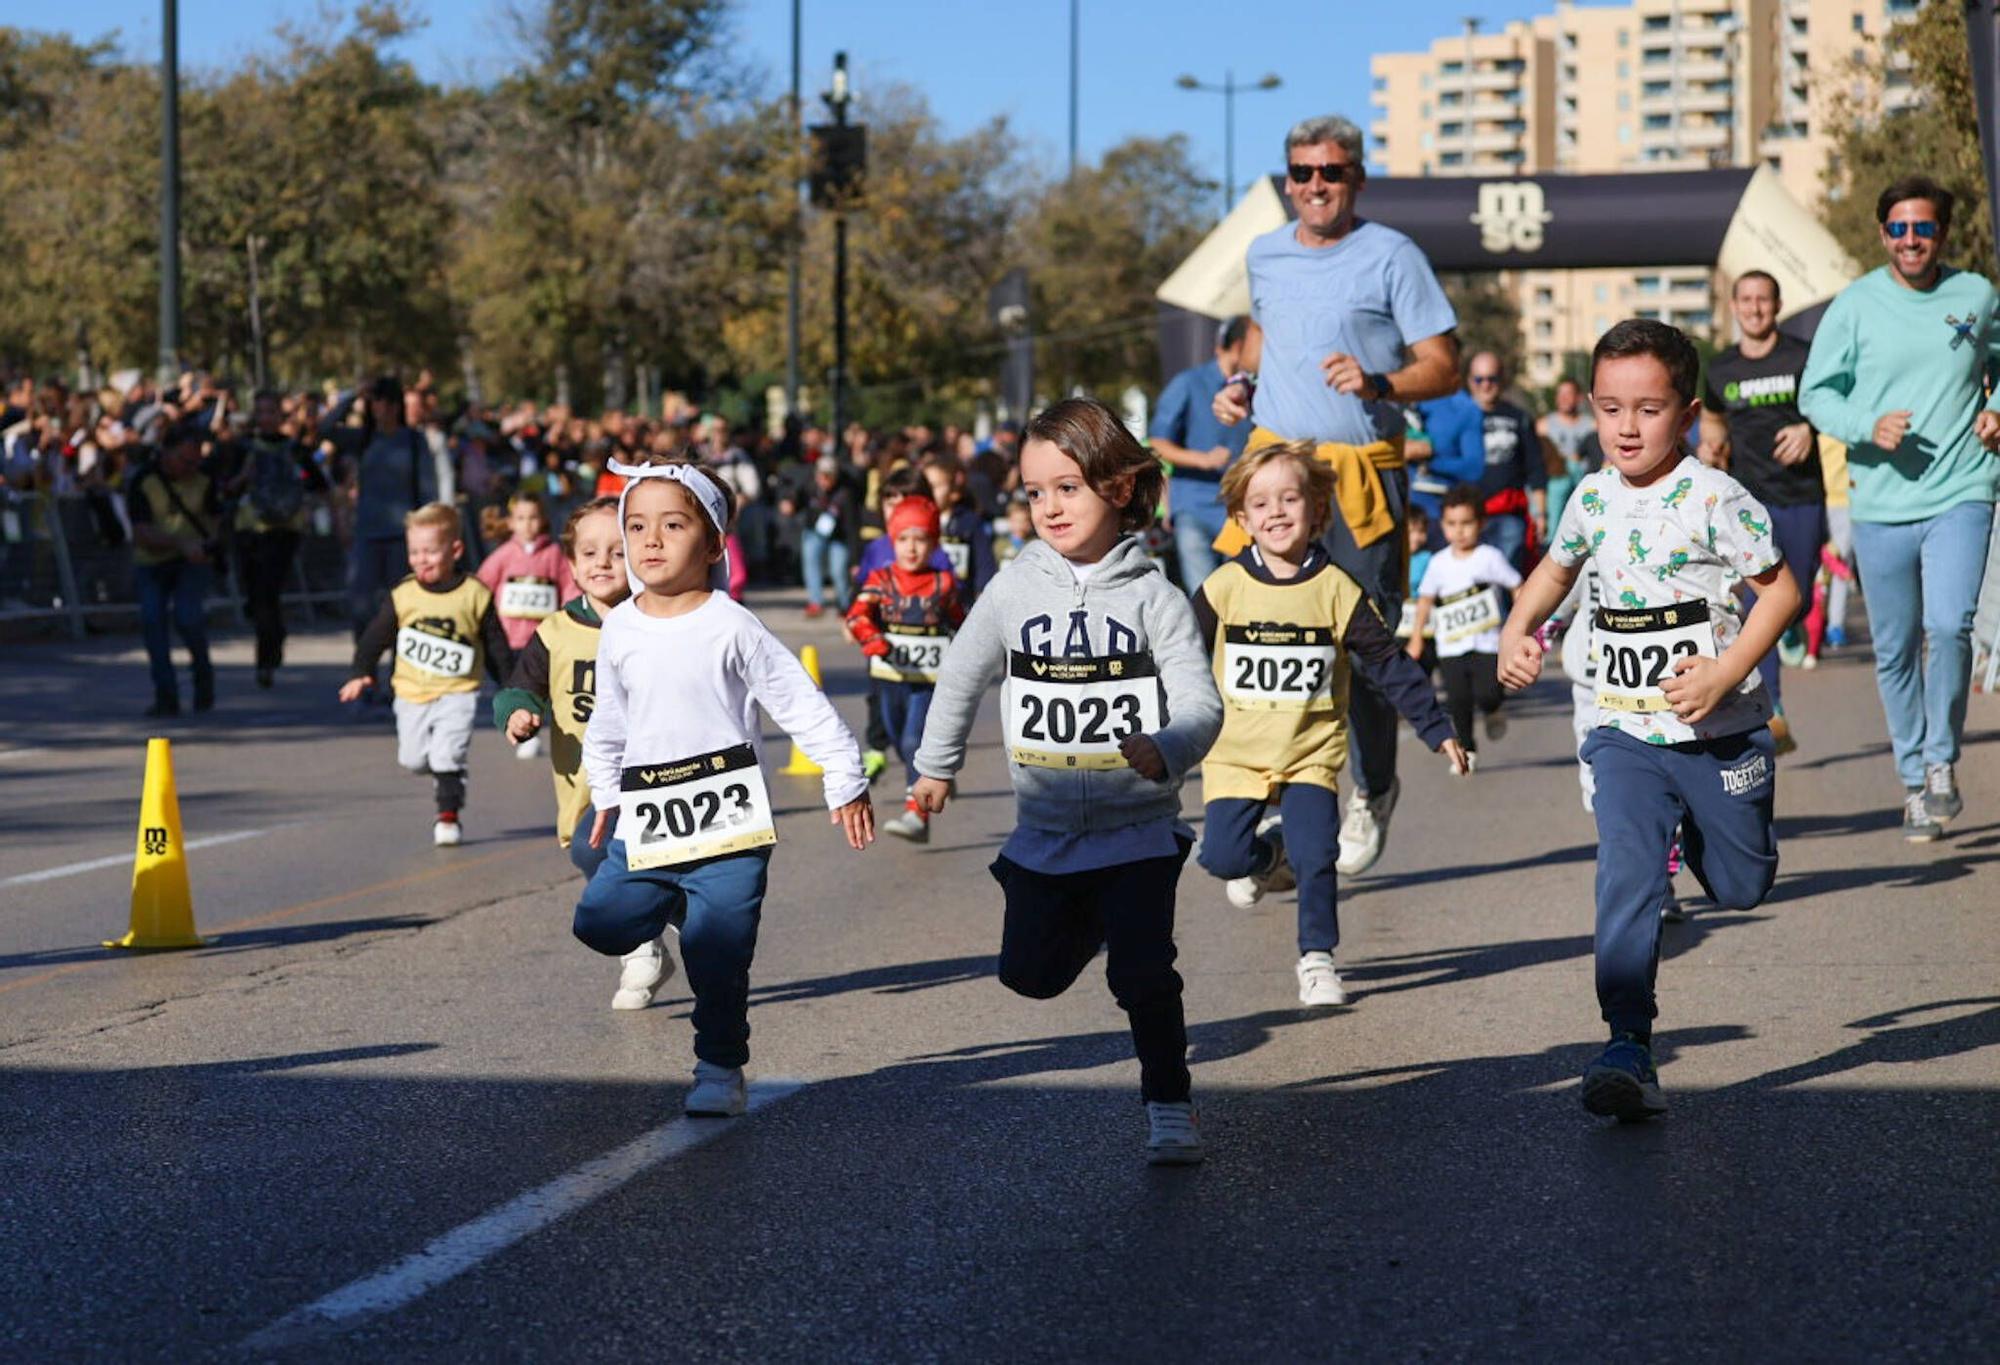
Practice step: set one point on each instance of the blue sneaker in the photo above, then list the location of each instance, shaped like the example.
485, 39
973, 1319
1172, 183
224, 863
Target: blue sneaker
1836, 637
1622, 1083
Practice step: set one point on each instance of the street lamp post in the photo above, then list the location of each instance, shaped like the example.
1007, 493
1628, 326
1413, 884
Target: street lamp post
170, 192
841, 157
1228, 90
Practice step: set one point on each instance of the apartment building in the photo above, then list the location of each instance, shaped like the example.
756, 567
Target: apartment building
1653, 85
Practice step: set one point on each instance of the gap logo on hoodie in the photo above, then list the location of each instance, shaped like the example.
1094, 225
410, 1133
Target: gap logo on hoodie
1038, 636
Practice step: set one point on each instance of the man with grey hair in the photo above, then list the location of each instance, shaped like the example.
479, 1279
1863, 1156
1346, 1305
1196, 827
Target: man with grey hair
1351, 324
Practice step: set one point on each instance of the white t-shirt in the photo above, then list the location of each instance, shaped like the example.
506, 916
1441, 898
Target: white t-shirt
674, 688
1458, 579
1689, 537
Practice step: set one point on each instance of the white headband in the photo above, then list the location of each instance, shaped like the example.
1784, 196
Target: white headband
705, 492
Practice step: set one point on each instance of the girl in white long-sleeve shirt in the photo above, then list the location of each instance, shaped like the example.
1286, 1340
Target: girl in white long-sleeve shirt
673, 758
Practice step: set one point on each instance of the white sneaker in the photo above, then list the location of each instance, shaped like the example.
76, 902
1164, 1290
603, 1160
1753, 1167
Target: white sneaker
1319, 982
1364, 829
719, 1092
531, 747
446, 834
1244, 892
1496, 725
1173, 1137
642, 972
909, 825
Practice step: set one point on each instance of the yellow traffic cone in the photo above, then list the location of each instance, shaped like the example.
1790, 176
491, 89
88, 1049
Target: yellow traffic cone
162, 907
801, 766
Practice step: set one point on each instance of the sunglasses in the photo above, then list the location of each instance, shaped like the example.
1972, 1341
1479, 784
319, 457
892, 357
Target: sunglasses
1332, 175
1484, 378
1899, 230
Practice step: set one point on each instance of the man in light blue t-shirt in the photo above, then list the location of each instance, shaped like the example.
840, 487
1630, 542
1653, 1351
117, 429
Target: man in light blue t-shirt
1352, 324
1187, 434
1898, 371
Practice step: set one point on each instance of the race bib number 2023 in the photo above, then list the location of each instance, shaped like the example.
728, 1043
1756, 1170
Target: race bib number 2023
1076, 713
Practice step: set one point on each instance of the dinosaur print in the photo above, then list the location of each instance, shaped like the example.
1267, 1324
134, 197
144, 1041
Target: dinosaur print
1592, 503
1637, 546
1751, 524
1678, 494
1676, 561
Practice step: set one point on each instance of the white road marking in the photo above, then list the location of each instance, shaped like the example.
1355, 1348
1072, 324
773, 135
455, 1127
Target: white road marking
93, 864
466, 1246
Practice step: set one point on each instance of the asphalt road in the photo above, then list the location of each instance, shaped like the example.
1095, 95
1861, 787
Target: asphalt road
390, 1115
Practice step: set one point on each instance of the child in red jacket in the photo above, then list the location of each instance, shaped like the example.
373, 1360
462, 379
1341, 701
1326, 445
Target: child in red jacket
903, 617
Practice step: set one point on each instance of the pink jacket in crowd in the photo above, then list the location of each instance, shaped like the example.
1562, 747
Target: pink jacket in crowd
528, 582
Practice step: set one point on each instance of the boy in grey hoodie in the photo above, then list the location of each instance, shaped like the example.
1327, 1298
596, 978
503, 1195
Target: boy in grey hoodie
1108, 702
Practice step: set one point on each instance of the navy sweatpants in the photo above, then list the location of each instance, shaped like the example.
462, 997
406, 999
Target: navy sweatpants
1056, 923
1230, 848
1718, 793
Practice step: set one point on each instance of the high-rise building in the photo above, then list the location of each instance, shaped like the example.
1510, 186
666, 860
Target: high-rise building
1654, 85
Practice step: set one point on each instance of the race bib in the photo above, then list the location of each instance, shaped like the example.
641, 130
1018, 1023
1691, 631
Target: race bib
1278, 668
959, 552
1466, 614
1406, 624
1074, 713
915, 654
1637, 650
434, 654
694, 808
528, 598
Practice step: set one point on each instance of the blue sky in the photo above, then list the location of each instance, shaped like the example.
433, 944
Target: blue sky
969, 66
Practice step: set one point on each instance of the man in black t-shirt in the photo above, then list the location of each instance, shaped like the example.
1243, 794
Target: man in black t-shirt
1750, 425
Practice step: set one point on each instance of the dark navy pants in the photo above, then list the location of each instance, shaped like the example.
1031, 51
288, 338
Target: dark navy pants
1718, 794
1230, 848
1798, 532
1054, 927
717, 904
905, 706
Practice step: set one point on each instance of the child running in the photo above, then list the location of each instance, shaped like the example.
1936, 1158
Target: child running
1284, 626
673, 752
443, 628
904, 481
1107, 703
529, 578
1461, 587
965, 537
554, 686
903, 616
1682, 737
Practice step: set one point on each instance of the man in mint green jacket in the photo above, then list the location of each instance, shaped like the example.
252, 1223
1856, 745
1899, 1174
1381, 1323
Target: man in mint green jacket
1899, 371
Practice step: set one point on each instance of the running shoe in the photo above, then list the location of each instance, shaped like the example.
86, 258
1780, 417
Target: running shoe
912, 824
814, 611
531, 747
873, 763
1671, 909
1622, 1083
1365, 828
719, 1092
1496, 725
1781, 737
1173, 1137
641, 974
1836, 637
446, 833
1244, 892
1319, 981
1919, 825
1792, 647
1941, 796
163, 708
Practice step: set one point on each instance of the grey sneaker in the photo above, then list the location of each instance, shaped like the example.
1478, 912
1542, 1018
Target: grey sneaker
1919, 825
1244, 892
1319, 981
1173, 1137
1364, 829
910, 825
719, 1092
641, 974
1941, 797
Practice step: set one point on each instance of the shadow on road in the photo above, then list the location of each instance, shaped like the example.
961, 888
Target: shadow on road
236, 941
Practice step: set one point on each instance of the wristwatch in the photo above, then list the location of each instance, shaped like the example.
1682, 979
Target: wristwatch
1384, 390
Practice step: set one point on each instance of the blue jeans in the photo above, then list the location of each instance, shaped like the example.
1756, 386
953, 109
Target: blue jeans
823, 556
1798, 532
373, 568
1195, 531
176, 591
905, 706
718, 904
1922, 580
1507, 532
1718, 794
1230, 848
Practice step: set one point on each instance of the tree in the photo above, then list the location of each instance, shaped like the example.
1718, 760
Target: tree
1489, 319
1938, 135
